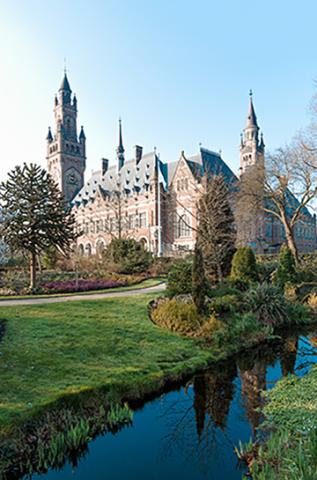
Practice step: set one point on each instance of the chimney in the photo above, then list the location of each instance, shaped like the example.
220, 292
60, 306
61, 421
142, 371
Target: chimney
105, 165
138, 153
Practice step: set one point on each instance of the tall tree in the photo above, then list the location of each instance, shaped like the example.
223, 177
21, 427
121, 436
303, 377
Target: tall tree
282, 189
34, 215
216, 233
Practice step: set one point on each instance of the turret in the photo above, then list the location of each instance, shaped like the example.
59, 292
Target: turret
251, 149
49, 137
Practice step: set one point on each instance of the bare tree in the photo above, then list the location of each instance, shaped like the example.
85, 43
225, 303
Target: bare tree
282, 189
216, 231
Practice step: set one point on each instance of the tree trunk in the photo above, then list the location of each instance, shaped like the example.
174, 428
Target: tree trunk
32, 270
291, 241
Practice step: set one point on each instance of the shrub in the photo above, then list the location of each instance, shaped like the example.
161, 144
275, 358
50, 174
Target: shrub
81, 286
129, 255
268, 304
161, 266
224, 304
286, 271
210, 326
312, 302
178, 317
179, 280
242, 329
244, 266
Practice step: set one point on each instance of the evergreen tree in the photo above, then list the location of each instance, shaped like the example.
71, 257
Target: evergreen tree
286, 270
216, 232
34, 215
198, 280
244, 265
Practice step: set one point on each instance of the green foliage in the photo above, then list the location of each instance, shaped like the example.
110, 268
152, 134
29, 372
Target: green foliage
225, 304
49, 258
119, 414
244, 267
34, 216
179, 280
178, 317
268, 304
243, 329
199, 281
290, 453
286, 271
129, 255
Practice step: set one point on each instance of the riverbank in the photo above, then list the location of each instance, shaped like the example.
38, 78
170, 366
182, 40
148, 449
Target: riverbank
289, 453
61, 364
60, 350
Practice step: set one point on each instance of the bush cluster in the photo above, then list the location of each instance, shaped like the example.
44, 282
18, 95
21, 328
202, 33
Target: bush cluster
128, 255
81, 286
244, 266
179, 280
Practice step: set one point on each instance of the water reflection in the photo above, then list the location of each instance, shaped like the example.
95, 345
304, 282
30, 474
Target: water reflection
191, 432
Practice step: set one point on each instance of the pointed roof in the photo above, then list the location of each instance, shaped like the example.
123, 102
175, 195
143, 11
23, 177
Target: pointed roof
65, 84
82, 135
251, 121
120, 148
49, 136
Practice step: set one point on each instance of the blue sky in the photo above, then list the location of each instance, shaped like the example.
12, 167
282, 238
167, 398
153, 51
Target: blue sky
178, 73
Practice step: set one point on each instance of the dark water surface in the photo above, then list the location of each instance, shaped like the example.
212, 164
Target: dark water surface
191, 433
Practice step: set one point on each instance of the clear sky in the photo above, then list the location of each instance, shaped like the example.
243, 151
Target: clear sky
178, 72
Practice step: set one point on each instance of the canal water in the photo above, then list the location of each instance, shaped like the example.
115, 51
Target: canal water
190, 433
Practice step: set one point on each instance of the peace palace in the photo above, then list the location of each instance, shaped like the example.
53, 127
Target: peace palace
148, 199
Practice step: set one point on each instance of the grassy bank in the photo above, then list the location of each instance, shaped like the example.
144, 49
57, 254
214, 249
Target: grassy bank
290, 452
54, 351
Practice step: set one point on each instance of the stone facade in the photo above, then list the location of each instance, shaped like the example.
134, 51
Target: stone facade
153, 201
263, 231
66, 153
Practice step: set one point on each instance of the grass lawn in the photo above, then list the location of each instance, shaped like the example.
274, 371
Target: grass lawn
54, 350
290, 452
150, 282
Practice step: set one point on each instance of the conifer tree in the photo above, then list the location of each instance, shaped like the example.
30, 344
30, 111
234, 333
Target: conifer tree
216, 232
198, 280
34, 215
286, 270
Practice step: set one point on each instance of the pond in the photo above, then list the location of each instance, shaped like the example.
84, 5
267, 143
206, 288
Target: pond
190, 433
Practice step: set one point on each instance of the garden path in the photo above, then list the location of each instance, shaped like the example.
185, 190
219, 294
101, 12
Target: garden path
82, 297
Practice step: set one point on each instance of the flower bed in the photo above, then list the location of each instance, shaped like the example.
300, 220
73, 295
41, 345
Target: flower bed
70, 286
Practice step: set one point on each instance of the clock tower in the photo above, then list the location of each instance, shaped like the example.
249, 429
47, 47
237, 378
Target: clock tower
66, 151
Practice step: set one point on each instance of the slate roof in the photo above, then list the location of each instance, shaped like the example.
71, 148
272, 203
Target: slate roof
131, 178
207, 161
65, 84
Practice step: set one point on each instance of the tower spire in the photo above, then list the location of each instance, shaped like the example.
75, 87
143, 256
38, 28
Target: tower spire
251, 149
120, 149
251, 120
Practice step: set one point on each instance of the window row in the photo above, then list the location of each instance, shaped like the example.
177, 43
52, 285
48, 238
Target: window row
113, 224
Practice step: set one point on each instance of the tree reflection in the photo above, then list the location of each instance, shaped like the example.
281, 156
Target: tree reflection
289, 355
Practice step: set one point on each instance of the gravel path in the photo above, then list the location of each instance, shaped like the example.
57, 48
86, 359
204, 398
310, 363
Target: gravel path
93, 296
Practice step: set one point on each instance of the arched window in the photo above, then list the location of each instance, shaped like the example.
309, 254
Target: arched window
100, 246
81, 249
88, 249
143, 241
